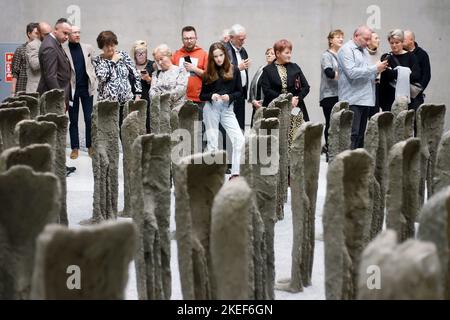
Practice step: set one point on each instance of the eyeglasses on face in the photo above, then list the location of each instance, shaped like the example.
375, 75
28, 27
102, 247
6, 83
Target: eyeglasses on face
189, 39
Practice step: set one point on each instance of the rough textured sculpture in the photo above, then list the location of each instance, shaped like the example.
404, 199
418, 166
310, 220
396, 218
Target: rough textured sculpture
131, 129
29, 201
8, 103
265, 184
435, 227
404, 125
197, 179
441, 177
402, 199
283, 103
164, 113
105, 161
9, 117
378, 142
52, 102
346, 221
141, 107
305, 165
188, 120
31, 132
392, 271
61, 122
99, 255
340, 130
400, 104
155, 112
150, 199
37, 156
31, 103
430, 127
229, 255
30, 94
259, 167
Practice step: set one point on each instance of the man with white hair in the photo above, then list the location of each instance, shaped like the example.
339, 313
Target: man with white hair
239, 58
357, 81
410, 44
83, 83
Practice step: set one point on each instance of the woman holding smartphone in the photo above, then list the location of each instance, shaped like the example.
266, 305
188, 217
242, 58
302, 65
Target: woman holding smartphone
221, 86
139, 53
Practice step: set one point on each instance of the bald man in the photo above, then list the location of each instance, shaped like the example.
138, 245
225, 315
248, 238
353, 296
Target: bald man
356, 82
32, 57
83, 84
410, 44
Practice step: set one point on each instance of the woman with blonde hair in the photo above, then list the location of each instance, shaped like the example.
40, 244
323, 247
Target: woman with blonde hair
144, 66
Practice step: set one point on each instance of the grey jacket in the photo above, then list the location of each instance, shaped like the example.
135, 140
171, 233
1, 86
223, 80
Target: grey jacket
33, 67
88, 53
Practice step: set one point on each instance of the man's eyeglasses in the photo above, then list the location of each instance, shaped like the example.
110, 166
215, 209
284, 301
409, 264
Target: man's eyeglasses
189, 39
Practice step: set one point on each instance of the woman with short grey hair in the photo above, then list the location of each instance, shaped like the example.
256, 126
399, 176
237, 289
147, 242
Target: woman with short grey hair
396, 34
398, 59
169, 78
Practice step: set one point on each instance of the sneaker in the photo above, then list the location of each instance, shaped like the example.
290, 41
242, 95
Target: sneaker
233, 176
90, 151
74, 154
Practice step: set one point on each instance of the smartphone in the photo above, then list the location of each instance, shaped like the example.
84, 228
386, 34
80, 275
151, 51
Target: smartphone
144, 72
188, 59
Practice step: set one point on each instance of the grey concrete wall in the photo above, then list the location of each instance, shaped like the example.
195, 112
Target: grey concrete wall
305, 22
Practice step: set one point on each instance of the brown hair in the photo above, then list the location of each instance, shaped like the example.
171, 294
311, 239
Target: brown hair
212, 71
106, 38
334, 33
282, 44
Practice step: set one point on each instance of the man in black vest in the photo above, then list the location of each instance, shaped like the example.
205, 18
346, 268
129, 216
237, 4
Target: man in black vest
411, 45
239, 57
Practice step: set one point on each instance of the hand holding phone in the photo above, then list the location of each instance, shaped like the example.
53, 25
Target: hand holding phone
188, 59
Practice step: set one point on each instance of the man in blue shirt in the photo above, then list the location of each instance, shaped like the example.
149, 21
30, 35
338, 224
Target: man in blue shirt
357, 81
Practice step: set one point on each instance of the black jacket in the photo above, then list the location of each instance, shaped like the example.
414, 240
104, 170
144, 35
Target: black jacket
425, 68
233, 58
387, 91
296, 84
231, 87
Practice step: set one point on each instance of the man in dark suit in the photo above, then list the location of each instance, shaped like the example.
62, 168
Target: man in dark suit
239, 58
55, 65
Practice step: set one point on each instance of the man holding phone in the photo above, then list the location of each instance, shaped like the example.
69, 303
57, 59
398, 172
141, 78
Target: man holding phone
195, 60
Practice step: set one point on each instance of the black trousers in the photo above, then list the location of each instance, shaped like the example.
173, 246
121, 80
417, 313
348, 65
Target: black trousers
86, 103
239, 111
327, 105
360, 115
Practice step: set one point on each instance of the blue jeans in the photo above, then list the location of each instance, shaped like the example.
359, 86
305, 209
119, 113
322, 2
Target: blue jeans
219, 112
86, 102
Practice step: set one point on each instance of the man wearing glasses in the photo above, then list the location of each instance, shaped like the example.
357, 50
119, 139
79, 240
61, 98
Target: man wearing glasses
194, 59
